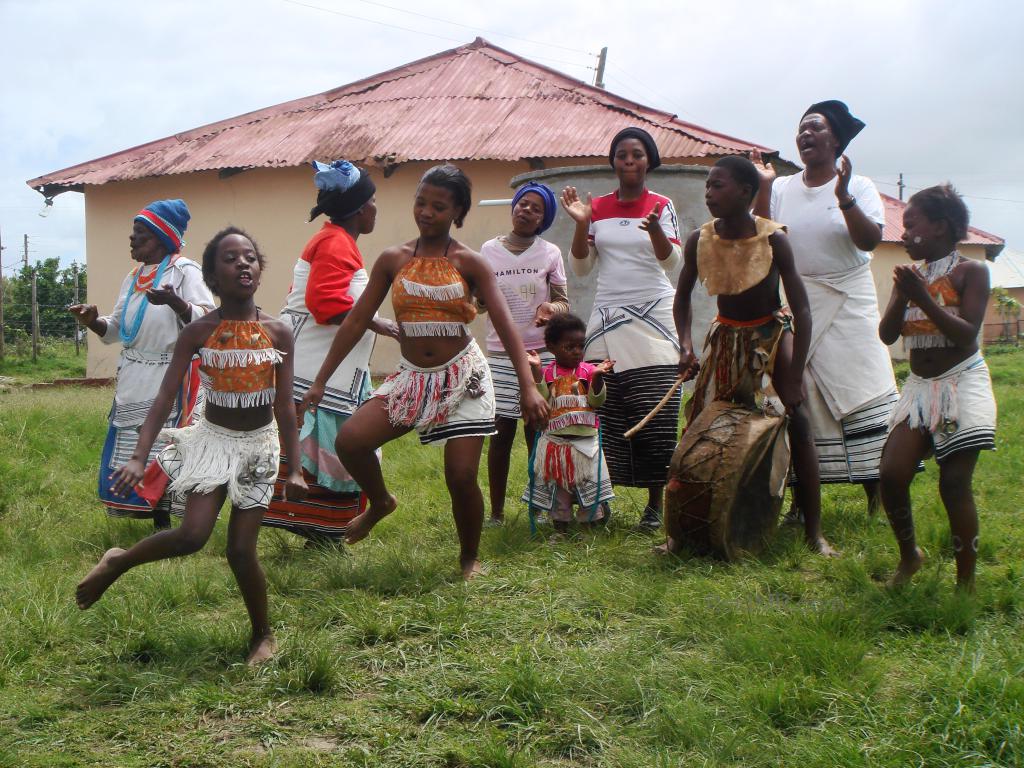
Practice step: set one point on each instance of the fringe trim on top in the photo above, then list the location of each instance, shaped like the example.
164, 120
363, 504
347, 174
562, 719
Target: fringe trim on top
573, 419
448, 292
213, 456
570, 401
238, 358
435, 329
237, 399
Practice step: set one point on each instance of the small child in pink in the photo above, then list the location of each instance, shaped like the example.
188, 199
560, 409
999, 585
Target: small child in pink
568, 463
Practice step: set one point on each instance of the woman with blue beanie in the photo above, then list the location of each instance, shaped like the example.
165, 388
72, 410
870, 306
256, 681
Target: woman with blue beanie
531, 276
160, 296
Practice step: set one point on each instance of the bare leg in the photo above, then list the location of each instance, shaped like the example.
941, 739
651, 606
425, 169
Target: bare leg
461, 466
955, 475
904, 448
872, 489
243, 532
189, 537
499, 452
363, 433
807, 491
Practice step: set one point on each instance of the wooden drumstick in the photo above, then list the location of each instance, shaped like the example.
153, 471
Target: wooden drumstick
654, 411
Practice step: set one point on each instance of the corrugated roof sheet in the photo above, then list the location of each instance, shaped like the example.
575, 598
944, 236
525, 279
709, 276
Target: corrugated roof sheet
476, 102
892, 232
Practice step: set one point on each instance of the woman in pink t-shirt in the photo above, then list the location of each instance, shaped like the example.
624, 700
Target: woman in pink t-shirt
530, 274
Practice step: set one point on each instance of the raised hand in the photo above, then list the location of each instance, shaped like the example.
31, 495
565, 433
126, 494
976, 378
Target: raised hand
605, 366
85, 314
534, 408
843, 173
764, 168
652, 221
164, 295
909, 283
578, 211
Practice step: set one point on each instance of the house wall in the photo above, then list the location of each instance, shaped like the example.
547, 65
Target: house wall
995, 326
272, 204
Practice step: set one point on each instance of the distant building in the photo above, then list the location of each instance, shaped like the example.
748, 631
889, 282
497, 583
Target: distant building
1006, 273
494, 113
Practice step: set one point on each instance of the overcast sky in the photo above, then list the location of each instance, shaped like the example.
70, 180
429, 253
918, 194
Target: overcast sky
938, 83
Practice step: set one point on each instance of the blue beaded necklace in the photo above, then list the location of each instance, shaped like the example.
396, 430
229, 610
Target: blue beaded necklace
128, 336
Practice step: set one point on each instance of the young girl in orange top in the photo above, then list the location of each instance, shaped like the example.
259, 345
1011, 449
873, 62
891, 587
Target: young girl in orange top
443, 387
947, 406
232, 452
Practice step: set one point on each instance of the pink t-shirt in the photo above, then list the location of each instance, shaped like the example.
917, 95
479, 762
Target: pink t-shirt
523, 280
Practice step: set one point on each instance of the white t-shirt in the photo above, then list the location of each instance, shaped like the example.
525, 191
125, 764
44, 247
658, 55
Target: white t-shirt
628, 270
523, 280
815, 226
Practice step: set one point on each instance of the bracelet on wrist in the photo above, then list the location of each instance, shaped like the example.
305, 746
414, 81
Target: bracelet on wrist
848, 204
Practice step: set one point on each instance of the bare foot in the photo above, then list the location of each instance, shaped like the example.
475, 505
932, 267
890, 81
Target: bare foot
965, 586
670, 547
905, 569
471, 569
261, 649
91, 588
820, 546
363, 523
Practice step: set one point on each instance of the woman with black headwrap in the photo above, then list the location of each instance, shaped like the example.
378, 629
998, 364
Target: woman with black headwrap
834, 219
327, 280
632, 235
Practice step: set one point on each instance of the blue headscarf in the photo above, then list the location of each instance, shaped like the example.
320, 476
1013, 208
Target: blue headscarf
550, 206
343, 189
168, 220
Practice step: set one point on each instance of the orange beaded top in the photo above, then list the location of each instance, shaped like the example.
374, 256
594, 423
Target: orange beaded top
236, 364
431, 298
919, 331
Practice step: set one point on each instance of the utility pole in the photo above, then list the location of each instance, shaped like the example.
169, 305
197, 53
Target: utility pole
900, 185
26, 251
601, 60
75, 326
35, 317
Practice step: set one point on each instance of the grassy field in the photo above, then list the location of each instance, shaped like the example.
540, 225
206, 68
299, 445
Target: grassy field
591, 652
57, 360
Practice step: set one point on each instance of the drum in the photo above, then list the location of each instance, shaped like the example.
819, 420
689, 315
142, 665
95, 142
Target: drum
727, 480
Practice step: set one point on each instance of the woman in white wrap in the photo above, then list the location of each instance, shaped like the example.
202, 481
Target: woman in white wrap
834, 219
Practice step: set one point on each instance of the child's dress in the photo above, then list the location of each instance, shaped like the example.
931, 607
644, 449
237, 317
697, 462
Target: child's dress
568, 463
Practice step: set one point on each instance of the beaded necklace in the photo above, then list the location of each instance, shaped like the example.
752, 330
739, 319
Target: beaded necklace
128, 335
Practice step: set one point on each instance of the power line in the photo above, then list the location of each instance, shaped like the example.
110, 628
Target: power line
962, 194
478, 29
419, 31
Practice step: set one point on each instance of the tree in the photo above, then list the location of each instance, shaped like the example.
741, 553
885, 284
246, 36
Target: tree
55, 289
1008, 309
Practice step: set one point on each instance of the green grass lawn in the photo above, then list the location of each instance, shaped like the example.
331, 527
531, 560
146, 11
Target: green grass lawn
590, 652
56, 360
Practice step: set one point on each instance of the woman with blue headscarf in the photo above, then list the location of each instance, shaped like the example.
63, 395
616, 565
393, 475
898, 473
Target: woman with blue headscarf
158, 298
531, 276
327, 280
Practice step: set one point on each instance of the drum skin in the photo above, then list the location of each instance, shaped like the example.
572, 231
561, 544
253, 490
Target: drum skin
727, 480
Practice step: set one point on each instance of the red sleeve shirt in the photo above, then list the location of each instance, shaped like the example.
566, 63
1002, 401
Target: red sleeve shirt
333, 258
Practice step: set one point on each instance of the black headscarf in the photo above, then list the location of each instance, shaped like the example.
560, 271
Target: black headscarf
844, 125
653, 158
340, 205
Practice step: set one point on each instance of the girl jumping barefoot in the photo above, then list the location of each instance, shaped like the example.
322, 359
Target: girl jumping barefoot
246, 367
443, 387
947, 406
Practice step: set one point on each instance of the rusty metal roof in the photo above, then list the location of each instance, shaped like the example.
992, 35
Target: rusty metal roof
892, 232
474, 102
